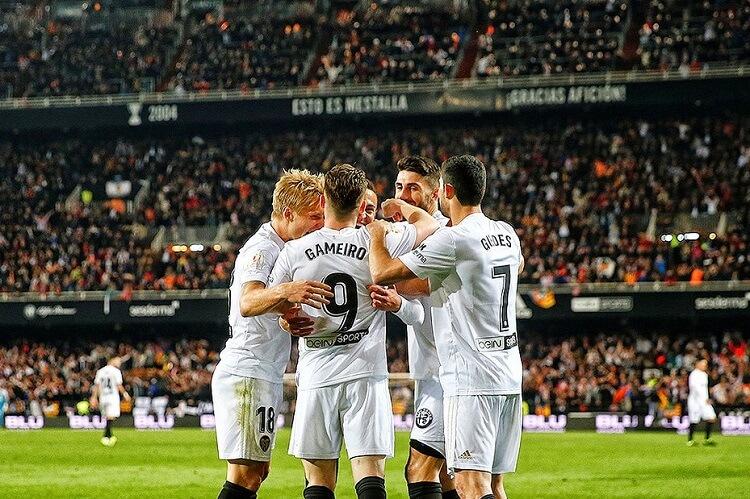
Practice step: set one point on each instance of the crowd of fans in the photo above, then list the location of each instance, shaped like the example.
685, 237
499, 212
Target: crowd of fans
689, 35
626, 372
580, 195
286, 44
380, 43
50, 57
530, 37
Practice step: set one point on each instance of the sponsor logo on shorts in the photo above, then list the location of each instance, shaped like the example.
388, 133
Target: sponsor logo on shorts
496, 343
348, 338
423, 418
265, 443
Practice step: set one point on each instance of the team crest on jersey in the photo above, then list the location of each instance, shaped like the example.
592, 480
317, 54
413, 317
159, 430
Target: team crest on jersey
423, 418
265, 443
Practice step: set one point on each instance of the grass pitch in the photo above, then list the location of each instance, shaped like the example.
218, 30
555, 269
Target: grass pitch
183, 463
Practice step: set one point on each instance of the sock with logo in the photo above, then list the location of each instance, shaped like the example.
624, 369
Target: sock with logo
371, 487
317, 492
108, 429
709, 427
233, 491
691, 430
425, 490
451, 494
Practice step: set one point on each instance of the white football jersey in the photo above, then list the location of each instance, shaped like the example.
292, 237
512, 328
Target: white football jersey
257, 347
349, 339
108, 378
698, 385
475, 266
423, 357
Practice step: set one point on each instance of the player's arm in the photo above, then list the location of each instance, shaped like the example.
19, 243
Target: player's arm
257, 299
413, 287
411, 312
384, 268
424, 223
123, 392
94, 400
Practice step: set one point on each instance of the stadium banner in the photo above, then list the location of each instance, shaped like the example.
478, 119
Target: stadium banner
164, 110
729, 425
536, 305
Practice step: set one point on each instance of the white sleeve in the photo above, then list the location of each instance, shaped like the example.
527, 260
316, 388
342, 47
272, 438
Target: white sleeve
411, 312
98, 378
282, 270
435, 257
255, 264
400, 238
118, 377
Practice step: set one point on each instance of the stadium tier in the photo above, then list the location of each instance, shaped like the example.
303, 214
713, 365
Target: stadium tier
617, 371
593, 201
47, 49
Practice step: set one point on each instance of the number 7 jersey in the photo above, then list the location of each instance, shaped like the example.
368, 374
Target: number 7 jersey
349, 339
473, 272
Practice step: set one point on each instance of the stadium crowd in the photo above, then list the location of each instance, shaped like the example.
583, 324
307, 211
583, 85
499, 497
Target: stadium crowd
580, 195
629, 372
286, 44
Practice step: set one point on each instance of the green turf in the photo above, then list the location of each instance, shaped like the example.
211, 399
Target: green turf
182, 463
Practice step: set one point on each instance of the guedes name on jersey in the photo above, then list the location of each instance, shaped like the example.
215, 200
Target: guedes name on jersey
343, 249
496, 240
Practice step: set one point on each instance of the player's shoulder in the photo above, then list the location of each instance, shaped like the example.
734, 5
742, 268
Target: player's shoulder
265, 238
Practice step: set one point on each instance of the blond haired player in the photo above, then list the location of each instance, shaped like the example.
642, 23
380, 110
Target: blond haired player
473, 268
342, 373
247, 383
106, 396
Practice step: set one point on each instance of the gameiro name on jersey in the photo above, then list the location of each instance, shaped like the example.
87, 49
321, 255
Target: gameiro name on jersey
349, 339
475, 266
258, 347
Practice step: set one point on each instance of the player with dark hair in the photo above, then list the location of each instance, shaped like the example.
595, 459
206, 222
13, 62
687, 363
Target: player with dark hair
342, 373
472, 267
106, 396
699, 402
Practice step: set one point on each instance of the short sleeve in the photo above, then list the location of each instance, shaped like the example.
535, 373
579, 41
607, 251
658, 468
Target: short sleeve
255, 264
118, 376
98, 378
282, 270
435, 257
400, 238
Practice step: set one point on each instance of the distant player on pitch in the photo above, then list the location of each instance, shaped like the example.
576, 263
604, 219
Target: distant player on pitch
699, 403
342, 372
473, 269
247, 383
106, 396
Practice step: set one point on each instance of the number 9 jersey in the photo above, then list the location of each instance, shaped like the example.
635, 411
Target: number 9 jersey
349, 339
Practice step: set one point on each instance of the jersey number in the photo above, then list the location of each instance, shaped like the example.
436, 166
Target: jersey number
503, 272
266, 419
348, 305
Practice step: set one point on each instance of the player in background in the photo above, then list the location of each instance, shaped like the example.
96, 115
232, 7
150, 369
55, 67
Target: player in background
473, 268
342, 372
699, 403
247, 383
106, 396
418, 184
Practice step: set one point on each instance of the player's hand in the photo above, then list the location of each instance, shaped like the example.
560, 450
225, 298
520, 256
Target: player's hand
94, 403
392, 209
384, 298
313, 293
378, 227
295, 324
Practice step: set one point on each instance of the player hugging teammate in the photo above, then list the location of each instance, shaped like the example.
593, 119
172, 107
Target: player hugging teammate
326, 282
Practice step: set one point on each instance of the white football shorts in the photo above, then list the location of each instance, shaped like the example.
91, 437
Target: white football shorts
357, 411
482, 432
428, 414
699, 410
109, 407
245, 410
